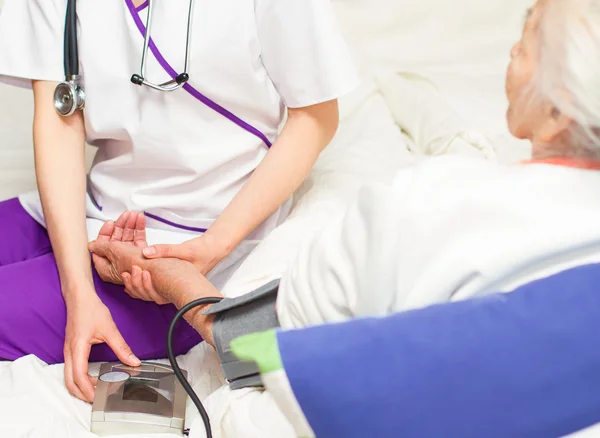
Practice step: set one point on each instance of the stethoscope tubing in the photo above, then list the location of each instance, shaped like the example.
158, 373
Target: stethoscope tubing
69, 96
180, 80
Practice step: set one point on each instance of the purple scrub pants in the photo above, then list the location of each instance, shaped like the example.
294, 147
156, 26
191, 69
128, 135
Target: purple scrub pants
32, 310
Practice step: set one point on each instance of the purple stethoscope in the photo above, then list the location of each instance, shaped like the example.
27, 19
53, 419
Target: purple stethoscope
69, 96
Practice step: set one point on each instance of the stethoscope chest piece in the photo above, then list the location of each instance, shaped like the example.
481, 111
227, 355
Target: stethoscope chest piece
68, 95
68, 98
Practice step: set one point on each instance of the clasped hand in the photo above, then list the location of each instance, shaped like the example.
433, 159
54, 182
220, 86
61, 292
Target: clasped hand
121, 253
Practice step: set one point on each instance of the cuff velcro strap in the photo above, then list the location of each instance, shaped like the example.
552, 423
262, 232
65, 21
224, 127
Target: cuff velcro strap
235, 317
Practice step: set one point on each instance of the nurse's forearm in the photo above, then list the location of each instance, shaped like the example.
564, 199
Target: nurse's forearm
59, 145
306, 133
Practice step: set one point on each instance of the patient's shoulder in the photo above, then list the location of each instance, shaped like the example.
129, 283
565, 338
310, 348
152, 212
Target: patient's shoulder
451, 187
450, 173
470, 175
445, 166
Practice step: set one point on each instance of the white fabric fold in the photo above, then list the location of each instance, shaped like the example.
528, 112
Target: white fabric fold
434, 127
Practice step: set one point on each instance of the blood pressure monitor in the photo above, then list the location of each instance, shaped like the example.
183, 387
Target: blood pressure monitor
136, 400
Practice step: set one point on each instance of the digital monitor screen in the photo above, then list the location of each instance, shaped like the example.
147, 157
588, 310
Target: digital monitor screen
141, 390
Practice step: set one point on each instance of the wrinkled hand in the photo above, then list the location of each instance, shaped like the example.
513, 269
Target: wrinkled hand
111, 259
114, 260
89, 322
129, 229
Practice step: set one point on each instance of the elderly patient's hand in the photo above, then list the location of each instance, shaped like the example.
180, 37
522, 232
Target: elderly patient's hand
112, 259
130, 228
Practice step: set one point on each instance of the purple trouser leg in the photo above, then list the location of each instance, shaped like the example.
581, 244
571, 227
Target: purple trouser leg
33, 313
21, 238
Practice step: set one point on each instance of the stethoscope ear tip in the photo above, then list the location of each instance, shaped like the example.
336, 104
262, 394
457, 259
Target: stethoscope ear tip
137, 79
182, 78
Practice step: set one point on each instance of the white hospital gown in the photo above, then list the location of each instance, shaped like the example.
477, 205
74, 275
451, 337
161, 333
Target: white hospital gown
449, 228
180, 156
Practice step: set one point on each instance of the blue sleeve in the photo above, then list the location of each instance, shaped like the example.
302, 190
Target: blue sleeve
524, 364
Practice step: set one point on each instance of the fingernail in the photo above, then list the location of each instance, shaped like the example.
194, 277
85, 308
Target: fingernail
149, 250
134, 360
134, 271
145, 275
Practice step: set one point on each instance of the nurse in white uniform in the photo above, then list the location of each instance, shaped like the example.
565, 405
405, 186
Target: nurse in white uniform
207, 164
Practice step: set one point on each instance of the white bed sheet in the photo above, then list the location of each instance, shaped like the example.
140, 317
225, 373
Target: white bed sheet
430, 37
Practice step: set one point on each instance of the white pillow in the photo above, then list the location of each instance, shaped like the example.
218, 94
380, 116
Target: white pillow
434, 127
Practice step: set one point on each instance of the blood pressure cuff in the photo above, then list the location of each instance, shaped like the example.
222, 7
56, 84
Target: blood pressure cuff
520, 365
234, 317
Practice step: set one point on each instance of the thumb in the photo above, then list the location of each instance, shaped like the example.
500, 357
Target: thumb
101, 264
164, 251
117, 344
99, 247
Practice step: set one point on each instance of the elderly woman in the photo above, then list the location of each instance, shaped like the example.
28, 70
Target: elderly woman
449, 228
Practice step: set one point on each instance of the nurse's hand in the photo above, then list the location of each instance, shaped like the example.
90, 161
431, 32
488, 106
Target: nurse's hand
89, 322
130, 228
199, 252
202, 252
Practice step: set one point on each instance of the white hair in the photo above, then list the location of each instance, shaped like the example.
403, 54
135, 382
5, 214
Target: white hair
569, 69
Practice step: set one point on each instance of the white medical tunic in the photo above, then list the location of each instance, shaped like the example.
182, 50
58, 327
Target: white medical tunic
180, 156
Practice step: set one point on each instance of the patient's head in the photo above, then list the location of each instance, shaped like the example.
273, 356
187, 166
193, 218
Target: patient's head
553, 81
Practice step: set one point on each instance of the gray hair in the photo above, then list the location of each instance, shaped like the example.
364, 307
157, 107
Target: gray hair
569, 69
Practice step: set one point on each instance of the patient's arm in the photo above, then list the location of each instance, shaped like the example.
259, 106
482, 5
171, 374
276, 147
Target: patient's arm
175, 281
180, 283
349, 268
